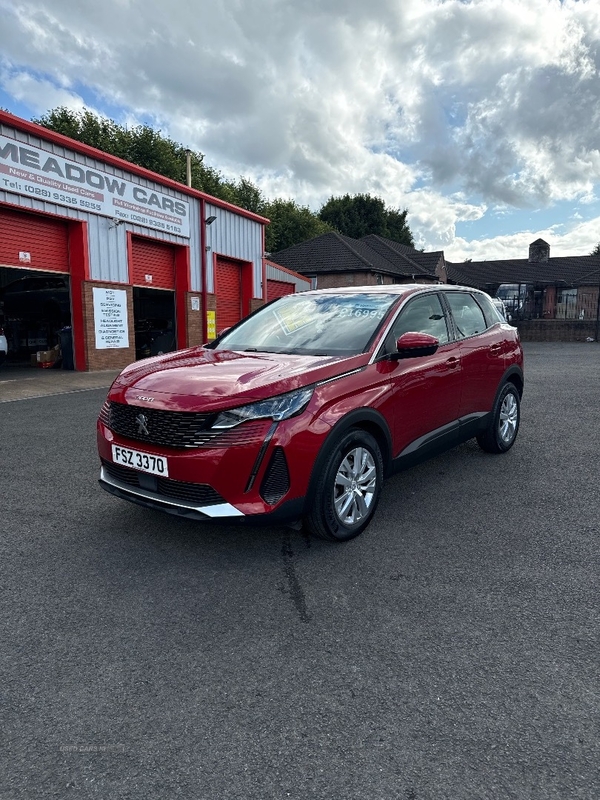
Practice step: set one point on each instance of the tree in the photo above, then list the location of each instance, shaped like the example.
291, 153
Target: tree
596, 250
87, 127
141, 144
362, 215
397, 229
249, 196
291, 224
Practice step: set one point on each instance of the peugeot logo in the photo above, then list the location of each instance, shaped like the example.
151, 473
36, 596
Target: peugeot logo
142, 421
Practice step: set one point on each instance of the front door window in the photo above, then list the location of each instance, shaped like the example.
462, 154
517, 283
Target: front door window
422, 315
425, 390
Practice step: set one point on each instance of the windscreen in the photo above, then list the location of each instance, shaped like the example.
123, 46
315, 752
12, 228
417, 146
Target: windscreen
336, 325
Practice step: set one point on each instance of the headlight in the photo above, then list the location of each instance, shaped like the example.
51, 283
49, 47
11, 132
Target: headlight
276, 408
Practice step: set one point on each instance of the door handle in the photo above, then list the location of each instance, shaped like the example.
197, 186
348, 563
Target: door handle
452, 363
496, 349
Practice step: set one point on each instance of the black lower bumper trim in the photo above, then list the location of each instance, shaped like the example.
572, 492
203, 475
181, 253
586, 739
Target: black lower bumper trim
290, 511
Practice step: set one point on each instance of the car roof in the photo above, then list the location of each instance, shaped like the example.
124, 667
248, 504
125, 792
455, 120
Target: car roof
398, 289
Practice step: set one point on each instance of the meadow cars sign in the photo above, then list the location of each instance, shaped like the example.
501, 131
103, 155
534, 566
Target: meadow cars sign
30, 171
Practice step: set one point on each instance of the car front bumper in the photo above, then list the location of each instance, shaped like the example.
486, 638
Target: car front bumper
261, 470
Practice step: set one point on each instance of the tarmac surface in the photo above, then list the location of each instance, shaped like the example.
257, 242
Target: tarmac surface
21, 383
451, 651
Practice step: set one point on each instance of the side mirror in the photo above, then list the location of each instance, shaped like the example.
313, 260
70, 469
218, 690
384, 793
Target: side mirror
414, 345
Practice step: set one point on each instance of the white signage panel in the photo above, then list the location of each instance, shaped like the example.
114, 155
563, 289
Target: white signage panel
110, 318
37, 173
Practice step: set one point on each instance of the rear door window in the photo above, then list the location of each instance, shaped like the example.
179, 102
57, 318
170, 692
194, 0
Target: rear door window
468, 316
492, 314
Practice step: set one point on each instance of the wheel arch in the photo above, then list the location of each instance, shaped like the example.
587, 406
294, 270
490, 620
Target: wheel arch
366, 419
514, 375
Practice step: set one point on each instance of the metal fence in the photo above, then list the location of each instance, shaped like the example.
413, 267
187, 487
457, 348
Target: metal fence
526, 302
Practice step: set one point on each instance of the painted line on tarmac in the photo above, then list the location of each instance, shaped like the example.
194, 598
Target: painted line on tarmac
20, 378
55, 394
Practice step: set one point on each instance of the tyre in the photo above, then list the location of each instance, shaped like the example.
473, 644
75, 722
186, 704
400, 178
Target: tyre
506, 416
348, 488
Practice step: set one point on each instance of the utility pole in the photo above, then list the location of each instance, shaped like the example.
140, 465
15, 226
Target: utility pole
188, 165
597, 336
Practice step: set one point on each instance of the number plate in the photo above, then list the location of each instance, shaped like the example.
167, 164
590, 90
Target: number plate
145, 462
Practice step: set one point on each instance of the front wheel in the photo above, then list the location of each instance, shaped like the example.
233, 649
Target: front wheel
348, 488
506, 416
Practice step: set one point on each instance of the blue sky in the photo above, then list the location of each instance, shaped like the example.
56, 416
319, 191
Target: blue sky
481, 117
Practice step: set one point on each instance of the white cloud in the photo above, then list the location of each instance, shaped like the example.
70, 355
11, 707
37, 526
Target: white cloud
579, 238
446, 108
40, 95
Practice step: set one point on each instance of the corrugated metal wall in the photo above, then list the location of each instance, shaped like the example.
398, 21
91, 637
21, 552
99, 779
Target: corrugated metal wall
274, 273
108, 249
237, 237
107, 241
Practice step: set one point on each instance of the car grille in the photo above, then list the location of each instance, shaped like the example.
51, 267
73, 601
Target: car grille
180, 429
200, 494
168, 428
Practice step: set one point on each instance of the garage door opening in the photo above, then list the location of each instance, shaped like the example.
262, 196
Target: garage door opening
154, 321
35, 313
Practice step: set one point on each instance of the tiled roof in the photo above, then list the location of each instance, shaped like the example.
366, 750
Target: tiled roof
424, 263
567, 270
333, 252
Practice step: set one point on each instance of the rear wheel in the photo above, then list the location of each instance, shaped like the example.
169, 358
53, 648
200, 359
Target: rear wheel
348, 488
506, 416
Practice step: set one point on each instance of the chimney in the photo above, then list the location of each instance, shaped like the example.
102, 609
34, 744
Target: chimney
539, 252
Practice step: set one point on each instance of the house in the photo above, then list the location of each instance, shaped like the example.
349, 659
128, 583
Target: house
332, 260
549, 298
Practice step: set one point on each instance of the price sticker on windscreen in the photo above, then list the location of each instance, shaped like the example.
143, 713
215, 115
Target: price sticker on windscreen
293, 318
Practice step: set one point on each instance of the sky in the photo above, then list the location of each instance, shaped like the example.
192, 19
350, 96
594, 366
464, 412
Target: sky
481, 117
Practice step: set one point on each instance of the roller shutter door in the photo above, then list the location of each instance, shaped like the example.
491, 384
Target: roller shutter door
153, 264
229, 293
279, 289
45, 239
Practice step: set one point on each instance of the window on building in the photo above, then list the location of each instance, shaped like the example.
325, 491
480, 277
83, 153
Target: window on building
566, 303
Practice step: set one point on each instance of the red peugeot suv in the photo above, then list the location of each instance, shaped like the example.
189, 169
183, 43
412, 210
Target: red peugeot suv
300, 411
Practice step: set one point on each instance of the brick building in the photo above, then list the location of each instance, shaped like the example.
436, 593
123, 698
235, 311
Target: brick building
549, 298
127, 262
333, 260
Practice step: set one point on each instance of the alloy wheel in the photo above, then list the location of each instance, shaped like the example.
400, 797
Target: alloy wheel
354, 486
509, 417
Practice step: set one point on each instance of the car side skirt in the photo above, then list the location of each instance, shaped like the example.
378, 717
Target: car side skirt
441, 439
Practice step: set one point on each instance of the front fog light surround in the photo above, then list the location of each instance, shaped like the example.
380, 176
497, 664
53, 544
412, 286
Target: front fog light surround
276, 408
